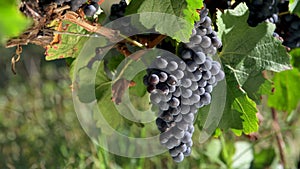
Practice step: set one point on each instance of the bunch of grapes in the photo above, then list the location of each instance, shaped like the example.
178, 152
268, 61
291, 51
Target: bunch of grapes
117, 10
123, 25
180, 88
90, 9
289, 29
260, 10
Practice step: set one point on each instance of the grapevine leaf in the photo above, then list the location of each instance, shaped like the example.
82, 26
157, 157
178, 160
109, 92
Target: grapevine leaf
232, 118
112, 59
247, 108
294, 7
286, 90
69, 45
244, 57
140, 103
139, 89
118, 89
253, 50
106, 106
191, 6
253, 85
295, 53
237, 132
103, 91
265, 88
12, 22
170, 17
239, 113
133, 6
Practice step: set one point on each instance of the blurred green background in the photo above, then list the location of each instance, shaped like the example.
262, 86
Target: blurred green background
39, 127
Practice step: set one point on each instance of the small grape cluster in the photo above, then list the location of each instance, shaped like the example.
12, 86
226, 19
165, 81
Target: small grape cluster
180, 88
117, 10
197, 55
123, 25
260, 10
175, 120
90, 9
288, 28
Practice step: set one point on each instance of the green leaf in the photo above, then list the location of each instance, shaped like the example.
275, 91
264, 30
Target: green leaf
265, 88
139, 89
69, 45
263, 159
193, 5
112, 60
286, 94
12, 21
140, 103
170, 17
294, 7
295, 53
240, 113
253, 85
237, 132
246, 53
232, 116
246, 49
106, 106
133, 7
247, 108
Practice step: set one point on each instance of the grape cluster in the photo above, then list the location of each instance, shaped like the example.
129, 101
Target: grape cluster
117, 10
123, 25
283, 6
289, 29
260, 10
180, 88
175, 120
90, 9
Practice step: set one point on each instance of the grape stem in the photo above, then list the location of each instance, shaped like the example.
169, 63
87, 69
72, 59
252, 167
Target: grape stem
283, 13
156, 41
136, 43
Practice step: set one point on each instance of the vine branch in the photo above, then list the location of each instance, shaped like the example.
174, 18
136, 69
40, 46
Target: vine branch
279, 138
73, 17
156, 41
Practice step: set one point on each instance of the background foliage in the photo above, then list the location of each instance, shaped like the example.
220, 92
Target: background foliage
39, 127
